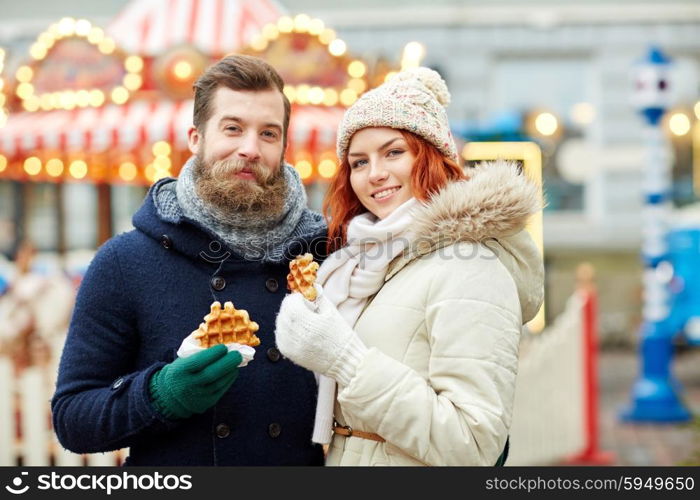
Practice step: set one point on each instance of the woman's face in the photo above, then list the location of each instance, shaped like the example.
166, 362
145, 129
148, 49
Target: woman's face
380, 169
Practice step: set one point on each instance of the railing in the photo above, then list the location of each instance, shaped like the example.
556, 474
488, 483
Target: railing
548, 412
555, 416
26, 435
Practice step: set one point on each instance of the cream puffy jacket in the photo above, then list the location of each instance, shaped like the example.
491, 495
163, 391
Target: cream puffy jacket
438, 380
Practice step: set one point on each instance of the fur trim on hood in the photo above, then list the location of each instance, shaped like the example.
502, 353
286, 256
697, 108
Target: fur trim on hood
492, 208
495, 202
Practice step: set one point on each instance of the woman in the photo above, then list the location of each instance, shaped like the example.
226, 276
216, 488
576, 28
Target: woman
422, 303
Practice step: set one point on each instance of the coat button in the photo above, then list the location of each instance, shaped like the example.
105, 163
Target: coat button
274, 429
274, 354
218, 283
272, 285
166, 241
118, 383
223, 431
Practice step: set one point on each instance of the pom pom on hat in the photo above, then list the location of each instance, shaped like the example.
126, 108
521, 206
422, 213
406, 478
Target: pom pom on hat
430, 79
413, 100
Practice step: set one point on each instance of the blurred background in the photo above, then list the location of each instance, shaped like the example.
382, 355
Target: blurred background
95, 101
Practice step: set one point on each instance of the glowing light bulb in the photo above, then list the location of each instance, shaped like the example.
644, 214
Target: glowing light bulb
304, 168
357, 69
133, 64
66, 27
32, 165
127, 171
24, 90
316, 95
327, 168
78, 169
413, 53
54, 167
97, 98
68, 100
24, 74
301, 23
132, 81
32, 103
330, 97
290, 92
96, 35
38, 51
326, 36
302, 96
337, 47
182, 70
285, 24
679, 123
120, 95
106, 46
82, 98
546, 124
162, 163
82, 27
358, 85
161, 148
316, 27
347, 97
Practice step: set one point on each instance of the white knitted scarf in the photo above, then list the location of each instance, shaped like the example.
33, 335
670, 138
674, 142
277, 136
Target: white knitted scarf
351, 276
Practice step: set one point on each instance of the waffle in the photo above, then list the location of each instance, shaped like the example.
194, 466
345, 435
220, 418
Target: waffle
302, 275
225, 326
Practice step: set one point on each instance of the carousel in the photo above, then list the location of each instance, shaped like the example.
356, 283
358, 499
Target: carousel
94, 116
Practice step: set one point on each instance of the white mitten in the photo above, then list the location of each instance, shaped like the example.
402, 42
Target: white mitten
318, 338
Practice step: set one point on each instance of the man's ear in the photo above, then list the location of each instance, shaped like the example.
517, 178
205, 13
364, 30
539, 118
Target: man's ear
193, 140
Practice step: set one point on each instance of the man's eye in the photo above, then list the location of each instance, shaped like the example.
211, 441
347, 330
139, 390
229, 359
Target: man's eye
270, 133
232, 128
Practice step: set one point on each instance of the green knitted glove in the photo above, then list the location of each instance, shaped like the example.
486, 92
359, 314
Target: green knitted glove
194, 384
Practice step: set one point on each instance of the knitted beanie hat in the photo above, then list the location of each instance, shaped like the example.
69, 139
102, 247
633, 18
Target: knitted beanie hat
414, 100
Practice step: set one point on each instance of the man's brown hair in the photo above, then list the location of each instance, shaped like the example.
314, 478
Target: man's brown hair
237, 72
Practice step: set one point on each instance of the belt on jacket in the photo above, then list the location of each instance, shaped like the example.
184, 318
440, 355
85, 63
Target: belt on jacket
346, 430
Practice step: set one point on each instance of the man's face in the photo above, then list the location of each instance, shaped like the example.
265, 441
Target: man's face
244, 125
239, 155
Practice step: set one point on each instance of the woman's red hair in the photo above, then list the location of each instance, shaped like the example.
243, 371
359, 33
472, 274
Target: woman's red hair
431, 172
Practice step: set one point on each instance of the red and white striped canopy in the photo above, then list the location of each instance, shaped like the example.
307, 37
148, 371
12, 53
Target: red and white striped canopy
124, 127
141, 123
216, 27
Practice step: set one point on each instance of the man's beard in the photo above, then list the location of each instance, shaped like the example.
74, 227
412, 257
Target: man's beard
216, 184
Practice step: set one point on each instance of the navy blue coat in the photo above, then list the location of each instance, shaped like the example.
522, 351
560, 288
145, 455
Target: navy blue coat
143, 293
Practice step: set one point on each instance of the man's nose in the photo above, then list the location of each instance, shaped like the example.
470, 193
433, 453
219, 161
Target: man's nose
249, 149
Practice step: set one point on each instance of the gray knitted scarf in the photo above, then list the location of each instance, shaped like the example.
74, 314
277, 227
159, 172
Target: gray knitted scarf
251, 236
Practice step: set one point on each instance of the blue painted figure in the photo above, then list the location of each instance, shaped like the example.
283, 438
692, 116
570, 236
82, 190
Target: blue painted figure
655, 393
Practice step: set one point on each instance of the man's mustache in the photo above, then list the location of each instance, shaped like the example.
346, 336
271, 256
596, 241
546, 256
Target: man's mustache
230, 167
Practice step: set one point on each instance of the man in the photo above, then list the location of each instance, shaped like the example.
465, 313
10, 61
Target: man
224, 230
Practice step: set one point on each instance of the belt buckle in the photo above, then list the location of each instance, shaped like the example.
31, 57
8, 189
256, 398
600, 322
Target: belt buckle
346, 427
